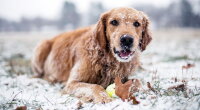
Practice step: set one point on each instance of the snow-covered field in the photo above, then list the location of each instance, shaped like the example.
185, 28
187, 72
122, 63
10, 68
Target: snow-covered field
162, 66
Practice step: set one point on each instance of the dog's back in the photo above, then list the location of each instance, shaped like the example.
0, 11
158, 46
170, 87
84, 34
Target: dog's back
44, 48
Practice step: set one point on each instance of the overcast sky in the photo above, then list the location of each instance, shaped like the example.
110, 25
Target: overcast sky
15, 9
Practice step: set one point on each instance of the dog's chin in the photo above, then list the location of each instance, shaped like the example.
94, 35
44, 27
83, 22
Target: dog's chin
123, 55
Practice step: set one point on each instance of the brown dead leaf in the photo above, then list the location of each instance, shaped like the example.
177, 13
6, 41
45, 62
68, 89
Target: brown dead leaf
124, 91
21, 108
188, 66
79, 105
179, 87
150, 87
134, 101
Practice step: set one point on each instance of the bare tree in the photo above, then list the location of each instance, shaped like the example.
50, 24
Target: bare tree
69, 16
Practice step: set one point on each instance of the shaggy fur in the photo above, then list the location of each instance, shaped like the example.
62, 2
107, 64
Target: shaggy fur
85, 59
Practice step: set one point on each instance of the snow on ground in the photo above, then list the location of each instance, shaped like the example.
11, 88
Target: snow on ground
162, 66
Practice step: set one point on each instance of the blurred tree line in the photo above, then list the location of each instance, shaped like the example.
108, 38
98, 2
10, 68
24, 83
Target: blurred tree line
177, 14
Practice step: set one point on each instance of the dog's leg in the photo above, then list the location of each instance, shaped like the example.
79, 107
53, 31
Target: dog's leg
87, 92
77, 86
40, 54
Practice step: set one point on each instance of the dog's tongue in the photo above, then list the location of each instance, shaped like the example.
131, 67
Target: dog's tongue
125, 53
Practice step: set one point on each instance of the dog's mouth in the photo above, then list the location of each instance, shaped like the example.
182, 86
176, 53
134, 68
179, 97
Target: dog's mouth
124, 54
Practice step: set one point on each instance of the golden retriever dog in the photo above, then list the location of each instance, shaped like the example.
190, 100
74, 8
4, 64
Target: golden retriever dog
87, 60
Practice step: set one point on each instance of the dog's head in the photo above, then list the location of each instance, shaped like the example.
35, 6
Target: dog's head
125, 31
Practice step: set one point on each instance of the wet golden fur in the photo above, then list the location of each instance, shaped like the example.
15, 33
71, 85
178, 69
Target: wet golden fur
84, 58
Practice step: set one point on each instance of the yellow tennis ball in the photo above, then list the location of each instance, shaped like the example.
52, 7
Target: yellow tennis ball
111, 90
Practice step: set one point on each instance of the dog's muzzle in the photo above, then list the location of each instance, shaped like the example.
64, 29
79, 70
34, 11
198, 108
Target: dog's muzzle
124, 54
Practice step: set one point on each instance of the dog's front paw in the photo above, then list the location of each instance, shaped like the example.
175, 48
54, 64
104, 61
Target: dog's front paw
101, 97
96, 98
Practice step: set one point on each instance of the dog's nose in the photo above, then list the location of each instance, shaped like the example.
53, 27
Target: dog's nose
126, 41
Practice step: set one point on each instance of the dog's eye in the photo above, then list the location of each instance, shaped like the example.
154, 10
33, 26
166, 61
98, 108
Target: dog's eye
136, 24
114, 22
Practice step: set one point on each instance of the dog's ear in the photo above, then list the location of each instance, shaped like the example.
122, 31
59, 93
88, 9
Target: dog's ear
100, 31
146, 34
